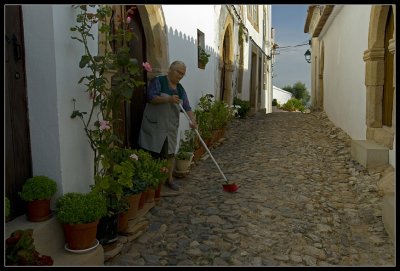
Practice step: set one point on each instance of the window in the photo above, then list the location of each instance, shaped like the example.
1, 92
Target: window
202, 55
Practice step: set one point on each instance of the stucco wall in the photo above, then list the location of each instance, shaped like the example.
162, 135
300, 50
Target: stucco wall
344, 69
59, 147
281, 96
182, 42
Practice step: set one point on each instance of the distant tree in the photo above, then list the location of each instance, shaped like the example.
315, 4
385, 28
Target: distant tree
299, 91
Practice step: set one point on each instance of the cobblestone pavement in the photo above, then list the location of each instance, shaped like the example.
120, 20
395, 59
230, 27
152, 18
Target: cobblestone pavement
302, 201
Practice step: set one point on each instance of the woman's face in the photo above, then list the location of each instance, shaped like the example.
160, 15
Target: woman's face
177, 73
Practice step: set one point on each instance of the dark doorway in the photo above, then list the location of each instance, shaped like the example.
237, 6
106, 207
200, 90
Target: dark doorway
18, 151
134, 110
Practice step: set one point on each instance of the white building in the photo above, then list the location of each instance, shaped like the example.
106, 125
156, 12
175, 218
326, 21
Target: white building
353, 80
42, 78
281, 95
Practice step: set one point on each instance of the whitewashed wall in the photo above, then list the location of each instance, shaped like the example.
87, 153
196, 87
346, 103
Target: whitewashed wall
59, 147
281, 96
182, 42
345, 41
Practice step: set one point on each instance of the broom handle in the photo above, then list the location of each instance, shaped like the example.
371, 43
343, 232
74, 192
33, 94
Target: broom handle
204, 144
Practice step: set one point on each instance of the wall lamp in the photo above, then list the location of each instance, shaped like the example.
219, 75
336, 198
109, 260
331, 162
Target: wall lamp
307, 55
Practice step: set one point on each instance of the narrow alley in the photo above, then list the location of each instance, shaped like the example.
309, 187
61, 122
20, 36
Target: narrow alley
302, 201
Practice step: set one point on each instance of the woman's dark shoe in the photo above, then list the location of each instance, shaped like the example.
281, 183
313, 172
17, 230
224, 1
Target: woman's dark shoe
173, 186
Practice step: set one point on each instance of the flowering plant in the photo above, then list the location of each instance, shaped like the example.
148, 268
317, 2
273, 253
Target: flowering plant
103, 123
148, 169
20, 250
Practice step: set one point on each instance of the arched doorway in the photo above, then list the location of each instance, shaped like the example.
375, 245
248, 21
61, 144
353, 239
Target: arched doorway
149, 44
226, 62
225, 49
379, 78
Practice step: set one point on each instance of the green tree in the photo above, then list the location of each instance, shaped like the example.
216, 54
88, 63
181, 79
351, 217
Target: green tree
299, 91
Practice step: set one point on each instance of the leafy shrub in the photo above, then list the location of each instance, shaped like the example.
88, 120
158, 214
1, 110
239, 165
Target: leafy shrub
293, 104
76, 208
38, 188
148, 169
221, 115
274, 102
242, 106
187, 146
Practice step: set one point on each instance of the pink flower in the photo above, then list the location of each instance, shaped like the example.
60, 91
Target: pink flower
134, 157
147, 66
104, 125
128, 20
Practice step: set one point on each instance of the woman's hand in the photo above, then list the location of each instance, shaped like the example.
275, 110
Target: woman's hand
193, 124
174, 99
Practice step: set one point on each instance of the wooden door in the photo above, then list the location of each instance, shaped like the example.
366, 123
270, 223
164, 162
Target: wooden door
134, 110
388, 90
18, 152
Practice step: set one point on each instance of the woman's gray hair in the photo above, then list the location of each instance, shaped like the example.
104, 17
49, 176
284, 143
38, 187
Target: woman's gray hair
175, 64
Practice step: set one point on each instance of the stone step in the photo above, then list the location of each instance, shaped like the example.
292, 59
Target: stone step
49, 240
369, 154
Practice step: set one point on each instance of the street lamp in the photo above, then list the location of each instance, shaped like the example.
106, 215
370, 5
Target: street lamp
307, 55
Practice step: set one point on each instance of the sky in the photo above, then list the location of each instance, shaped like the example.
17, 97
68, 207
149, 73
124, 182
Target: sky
290, 64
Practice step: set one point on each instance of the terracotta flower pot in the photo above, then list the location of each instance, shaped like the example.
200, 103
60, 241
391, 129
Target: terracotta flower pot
38, 210
157, 194
142, 200
123, 222
80, 236
134, 205
150, 192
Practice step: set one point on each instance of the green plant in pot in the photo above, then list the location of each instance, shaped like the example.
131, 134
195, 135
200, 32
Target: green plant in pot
79, 213
203, 57
37, 192
185, 153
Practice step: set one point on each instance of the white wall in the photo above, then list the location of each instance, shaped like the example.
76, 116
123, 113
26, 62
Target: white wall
281, 96
59, 147
344, 69
182, 42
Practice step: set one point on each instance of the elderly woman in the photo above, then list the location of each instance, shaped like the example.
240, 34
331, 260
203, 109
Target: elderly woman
158, 133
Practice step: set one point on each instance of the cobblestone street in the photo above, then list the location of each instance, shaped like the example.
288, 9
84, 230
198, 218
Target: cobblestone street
302, 201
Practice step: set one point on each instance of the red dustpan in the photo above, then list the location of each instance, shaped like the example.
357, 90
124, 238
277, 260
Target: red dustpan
228, 187
232, 187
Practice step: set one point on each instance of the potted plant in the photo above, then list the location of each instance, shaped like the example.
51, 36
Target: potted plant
20, 250
37, 192
134, 193
79, 213
153, 172
185, 154
203, 57
242, 106
222, 114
